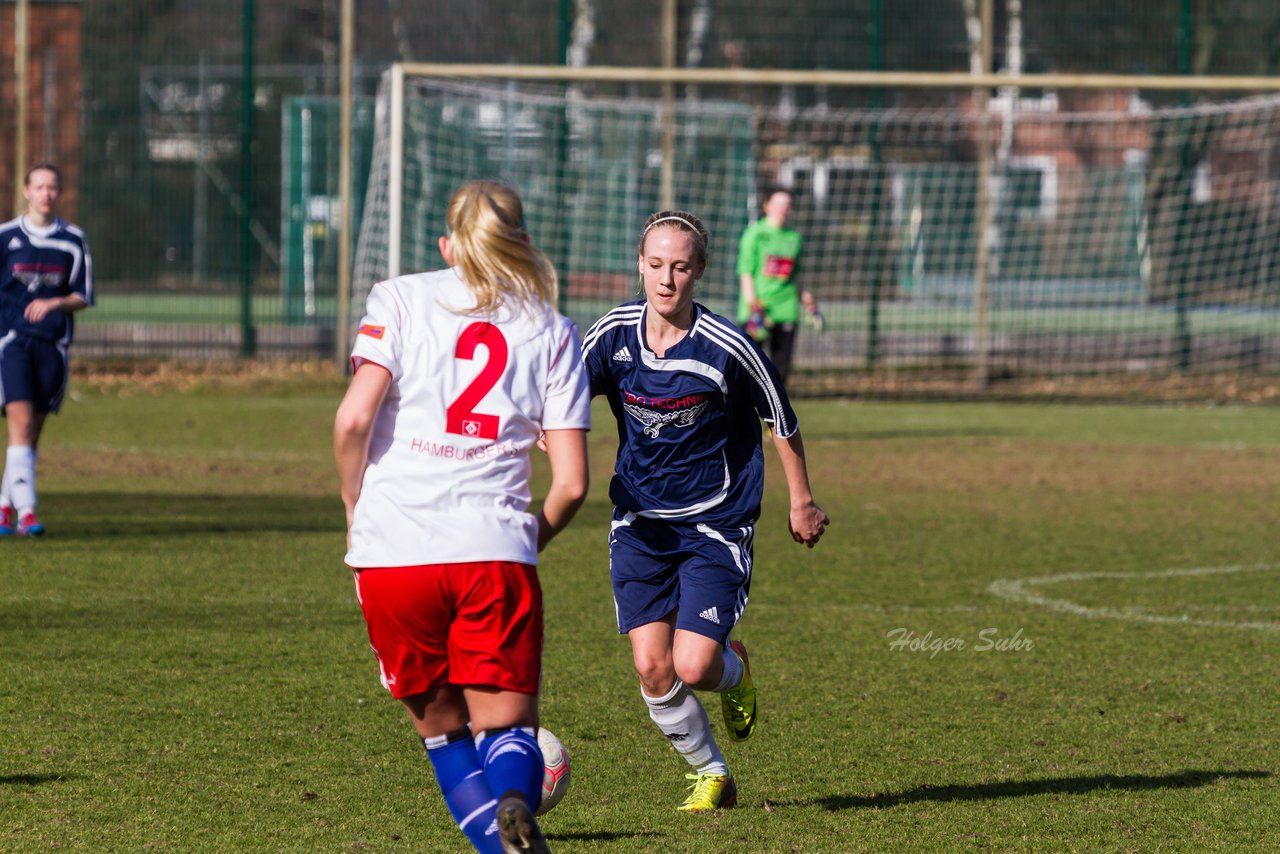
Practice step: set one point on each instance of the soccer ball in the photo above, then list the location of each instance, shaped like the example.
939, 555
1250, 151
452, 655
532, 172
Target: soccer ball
555, 769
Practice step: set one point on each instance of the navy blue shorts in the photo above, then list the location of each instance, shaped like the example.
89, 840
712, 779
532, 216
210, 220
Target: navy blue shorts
32, 369
701, 573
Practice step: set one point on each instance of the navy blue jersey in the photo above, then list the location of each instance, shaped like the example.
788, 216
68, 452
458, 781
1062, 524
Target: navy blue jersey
39, 264
689, 439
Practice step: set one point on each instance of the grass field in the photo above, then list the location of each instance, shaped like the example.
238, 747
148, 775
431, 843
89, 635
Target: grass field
995, 647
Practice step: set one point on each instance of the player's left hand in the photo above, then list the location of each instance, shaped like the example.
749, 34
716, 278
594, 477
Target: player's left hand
38, 309
808, 522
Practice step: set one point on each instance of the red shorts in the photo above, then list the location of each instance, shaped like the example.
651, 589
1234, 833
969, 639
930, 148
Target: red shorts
472, 624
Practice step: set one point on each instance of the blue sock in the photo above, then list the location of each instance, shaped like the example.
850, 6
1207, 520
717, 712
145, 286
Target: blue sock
466, 791
513, 760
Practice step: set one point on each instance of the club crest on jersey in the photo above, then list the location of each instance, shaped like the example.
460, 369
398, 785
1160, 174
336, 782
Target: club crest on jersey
372, 331
654, 420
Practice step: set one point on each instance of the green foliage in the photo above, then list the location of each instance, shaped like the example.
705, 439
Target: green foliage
185, 667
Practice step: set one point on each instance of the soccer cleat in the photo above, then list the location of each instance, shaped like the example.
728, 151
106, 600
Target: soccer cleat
29, 526
518, 829
8, 521
739, 703
710, 791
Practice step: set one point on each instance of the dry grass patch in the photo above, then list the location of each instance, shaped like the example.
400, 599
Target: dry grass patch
982, 464
159, 376
1116, 388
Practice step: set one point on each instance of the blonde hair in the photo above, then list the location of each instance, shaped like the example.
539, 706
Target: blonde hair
489, 244
680, 221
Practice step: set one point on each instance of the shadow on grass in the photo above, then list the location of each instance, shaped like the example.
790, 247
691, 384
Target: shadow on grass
31, 779
80, 516
1016, 789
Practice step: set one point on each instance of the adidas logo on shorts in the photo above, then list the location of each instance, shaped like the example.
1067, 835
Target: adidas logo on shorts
623, 355
711, 614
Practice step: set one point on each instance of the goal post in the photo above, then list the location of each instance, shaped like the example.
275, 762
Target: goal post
395, 186
1111, 235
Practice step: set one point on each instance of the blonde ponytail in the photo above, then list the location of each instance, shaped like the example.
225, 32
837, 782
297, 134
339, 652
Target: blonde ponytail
490, 246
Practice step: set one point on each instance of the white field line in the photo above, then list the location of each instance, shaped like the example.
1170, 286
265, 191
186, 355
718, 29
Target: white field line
1016, 590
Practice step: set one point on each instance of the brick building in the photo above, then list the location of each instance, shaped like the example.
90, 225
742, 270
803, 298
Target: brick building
53, 97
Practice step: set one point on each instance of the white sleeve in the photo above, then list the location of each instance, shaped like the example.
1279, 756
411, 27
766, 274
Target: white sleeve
380, 338
568, 400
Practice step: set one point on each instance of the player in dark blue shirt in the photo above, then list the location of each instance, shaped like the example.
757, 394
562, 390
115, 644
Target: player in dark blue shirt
688, 390
45, 275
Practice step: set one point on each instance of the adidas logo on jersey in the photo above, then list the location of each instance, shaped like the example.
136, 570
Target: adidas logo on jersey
623, 355
711, 614
15, 243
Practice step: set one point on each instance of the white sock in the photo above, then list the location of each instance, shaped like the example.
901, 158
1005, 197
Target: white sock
4, 489
732, 677
683, 721
20, 472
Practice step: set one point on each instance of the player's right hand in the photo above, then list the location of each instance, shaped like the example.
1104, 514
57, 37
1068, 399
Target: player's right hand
807, 524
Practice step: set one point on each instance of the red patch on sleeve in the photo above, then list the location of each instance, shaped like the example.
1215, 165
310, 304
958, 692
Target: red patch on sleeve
372, 331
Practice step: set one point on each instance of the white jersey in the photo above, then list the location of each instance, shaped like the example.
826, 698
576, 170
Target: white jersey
448, 473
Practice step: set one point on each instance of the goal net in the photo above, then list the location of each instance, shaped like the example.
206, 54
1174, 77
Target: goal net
1110, 238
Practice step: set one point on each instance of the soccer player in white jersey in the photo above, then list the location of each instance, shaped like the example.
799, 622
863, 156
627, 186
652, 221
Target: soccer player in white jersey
45, 276
457, 374
688, 389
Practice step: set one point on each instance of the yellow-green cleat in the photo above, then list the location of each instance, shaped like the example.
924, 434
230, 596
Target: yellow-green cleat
710, 791
739, 704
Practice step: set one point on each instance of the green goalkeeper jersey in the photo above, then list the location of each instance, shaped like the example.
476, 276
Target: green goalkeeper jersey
771, 256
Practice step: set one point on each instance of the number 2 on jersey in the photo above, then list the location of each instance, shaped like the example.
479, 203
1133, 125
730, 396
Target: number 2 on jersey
461, 417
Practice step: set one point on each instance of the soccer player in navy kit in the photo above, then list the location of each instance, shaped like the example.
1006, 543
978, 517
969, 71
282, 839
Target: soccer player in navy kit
45, 275
688, 390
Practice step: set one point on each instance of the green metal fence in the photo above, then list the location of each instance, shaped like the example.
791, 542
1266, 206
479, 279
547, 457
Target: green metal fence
207, 247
